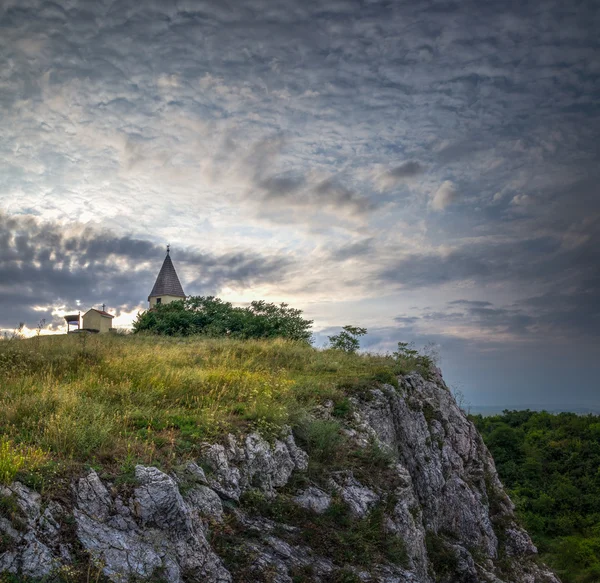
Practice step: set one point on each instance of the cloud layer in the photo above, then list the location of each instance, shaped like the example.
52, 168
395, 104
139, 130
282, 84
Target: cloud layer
421, 168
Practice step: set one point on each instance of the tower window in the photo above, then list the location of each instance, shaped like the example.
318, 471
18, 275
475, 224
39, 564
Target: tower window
158, 300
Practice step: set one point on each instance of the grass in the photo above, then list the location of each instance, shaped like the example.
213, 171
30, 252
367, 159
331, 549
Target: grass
14, 457
442, 557
113, 401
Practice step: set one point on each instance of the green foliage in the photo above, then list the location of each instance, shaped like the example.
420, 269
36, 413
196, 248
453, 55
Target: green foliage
14, 457
549, 463
10, 510
213, 317
408, 358
320, 438
441, 555
342, 408
336, 533
348, 339
120, 400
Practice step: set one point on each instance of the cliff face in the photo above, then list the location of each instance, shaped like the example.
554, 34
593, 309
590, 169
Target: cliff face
420, 502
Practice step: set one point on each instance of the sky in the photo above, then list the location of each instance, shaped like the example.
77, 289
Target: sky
428, 170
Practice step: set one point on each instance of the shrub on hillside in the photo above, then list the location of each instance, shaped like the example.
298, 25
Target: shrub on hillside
348, 339
212, 316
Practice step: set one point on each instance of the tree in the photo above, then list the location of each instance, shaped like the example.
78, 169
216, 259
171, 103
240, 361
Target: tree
212, 316
347, 339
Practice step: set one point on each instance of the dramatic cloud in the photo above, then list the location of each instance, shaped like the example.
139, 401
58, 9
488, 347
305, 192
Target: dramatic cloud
45, 265
432, 161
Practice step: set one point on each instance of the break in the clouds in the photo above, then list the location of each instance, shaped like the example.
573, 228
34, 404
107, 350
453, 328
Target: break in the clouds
425, 169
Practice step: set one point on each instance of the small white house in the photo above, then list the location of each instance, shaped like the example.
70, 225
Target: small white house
97, 321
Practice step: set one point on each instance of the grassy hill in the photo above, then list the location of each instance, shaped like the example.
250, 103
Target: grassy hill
113, 401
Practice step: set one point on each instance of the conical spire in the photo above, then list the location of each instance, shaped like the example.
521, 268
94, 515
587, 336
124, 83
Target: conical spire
167, 282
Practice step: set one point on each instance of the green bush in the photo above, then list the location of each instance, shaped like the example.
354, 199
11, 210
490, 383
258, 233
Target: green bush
320, 438
213, 317
15, 457
347, 339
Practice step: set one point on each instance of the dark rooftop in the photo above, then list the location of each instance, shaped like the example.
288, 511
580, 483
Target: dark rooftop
167, 282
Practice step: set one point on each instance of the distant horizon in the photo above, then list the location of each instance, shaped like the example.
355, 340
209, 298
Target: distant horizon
564, 408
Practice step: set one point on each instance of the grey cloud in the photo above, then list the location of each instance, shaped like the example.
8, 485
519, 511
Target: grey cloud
406, 321
570, 314
470, 303
47, 264
483, 315
505, 374
146, 115
348, 56
422, 270
307, 191
288, 193
353, 250
399, 174
281, 186
444, 196
406, 170
524, 260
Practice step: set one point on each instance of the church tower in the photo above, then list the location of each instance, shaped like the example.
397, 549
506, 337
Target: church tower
167, 287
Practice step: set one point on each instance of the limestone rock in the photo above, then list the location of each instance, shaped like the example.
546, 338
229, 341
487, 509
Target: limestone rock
160, 536
313, 499
225, 479
37, 560
91, 494
205, 502
158, 503
254, 463
518, 543
359, 498
440, 486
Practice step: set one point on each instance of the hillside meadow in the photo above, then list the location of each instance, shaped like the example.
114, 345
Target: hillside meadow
112, 401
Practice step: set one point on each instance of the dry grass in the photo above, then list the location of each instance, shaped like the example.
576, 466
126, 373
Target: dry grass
110, 401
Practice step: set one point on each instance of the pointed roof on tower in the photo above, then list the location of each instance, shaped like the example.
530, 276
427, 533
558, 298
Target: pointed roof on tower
167, 282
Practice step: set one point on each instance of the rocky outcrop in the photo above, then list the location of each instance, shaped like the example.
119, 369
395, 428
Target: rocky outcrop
236, 467
237, 514
450, 483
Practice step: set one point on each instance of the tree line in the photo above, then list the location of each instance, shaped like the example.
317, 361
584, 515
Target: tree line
551, 467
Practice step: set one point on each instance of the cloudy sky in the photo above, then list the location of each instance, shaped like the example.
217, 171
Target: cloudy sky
428, 170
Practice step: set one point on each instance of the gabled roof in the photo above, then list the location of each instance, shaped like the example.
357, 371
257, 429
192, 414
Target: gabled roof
167, 282
101, 312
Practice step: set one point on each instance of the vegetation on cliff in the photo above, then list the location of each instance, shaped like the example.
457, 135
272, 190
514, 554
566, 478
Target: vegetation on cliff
112, 401
382, 477
550, 465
